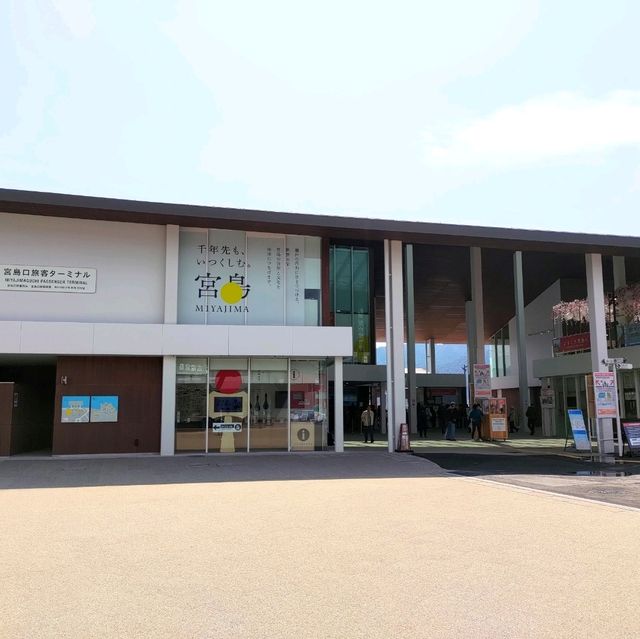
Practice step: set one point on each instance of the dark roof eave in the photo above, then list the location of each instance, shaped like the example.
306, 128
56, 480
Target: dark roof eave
110, 209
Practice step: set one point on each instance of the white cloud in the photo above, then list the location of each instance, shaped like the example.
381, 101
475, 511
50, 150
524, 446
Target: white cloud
559, 125
77, 15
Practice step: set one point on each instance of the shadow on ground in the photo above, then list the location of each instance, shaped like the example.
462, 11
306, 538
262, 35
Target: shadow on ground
120, 471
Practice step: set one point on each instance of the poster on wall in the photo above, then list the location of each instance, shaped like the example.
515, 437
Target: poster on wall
482, 380
47, 279
579, 430
606, 394
547, 397
104, 408
75, 408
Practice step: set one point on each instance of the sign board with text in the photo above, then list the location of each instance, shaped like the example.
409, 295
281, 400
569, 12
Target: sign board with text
47, 279
481, 380
605, 394
580, 435
631, 430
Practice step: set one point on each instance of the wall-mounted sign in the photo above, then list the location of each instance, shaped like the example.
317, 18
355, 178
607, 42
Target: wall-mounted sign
481, 380
47, 279
104, 408
579, 430
606, 394
572, 343
547, 397
75, 408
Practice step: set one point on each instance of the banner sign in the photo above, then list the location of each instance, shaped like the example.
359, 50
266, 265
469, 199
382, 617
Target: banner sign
606, 395
481, 380
632, 435
47, 279
572, 343
579, 430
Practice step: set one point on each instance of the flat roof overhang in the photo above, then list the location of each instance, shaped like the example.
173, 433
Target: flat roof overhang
333, 226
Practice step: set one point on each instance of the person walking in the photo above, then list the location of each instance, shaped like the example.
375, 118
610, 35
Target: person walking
451, 418
532, 418
476, 415
367, 420
513, 420
421, 414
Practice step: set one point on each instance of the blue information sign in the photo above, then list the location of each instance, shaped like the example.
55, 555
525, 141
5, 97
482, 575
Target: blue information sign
579, 430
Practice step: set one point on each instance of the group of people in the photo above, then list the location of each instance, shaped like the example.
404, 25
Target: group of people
449, 418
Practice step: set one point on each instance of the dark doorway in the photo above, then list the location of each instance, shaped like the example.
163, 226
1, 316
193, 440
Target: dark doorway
27, 393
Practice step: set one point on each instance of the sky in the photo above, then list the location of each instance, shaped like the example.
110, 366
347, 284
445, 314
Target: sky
521, 114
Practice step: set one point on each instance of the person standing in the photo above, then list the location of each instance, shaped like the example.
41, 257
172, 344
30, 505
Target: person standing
451, 418
421, 414
513, 420
476, 416
532, 418
367, 420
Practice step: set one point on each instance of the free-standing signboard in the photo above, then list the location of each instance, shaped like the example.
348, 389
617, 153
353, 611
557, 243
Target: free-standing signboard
498, 426
606, 395
631, 430
579, 430
481, 380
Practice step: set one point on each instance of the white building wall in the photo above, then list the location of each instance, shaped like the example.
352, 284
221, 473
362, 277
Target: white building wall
129, 259
539, 328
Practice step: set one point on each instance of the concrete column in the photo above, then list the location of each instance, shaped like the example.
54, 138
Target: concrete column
521, 335
171, 274
471, 347
394, 324
387, 333
598, 334
338, 406
432, 355
411, 340
168, 408
478, 305
383, 407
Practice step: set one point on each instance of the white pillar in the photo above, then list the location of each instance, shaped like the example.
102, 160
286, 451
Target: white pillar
383, 408
432, 355
478, 305
171, 274
168, 411
471, 347
394, 325
521, 335
598, 334
338, 406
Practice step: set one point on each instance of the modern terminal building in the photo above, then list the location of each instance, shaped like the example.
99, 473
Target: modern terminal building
139, 327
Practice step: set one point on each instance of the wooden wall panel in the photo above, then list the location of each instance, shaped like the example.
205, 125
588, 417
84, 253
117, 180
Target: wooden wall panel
137, 381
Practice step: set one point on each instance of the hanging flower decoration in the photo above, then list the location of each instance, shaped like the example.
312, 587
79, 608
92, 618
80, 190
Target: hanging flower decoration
629, 302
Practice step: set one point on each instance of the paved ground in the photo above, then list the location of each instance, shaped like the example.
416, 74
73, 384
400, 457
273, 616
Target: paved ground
357, 545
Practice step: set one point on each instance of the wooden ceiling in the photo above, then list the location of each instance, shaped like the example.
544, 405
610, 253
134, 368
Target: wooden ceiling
442, 285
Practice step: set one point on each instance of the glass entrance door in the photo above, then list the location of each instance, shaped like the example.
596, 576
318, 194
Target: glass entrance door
269, 404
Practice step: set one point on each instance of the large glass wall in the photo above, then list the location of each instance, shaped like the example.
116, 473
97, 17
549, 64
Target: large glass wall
260, 279
350, 297
243, 404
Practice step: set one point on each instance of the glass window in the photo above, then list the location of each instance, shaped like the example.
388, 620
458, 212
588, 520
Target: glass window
342, 271
360, 281
309, 405
191, 404
270, 404
229, 405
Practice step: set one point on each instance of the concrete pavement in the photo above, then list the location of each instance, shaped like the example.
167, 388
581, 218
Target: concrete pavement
372, 545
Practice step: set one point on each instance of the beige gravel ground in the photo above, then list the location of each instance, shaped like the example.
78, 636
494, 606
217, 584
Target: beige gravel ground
421, 555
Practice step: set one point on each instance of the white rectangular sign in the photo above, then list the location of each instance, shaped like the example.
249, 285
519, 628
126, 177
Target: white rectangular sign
47, 279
